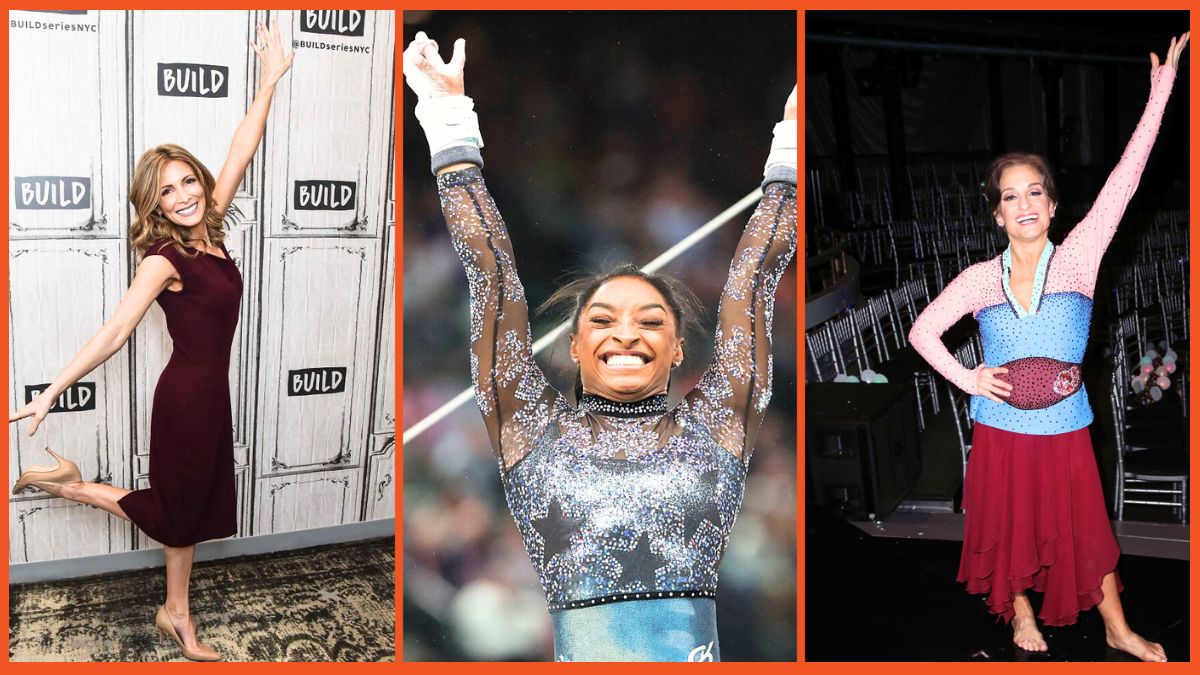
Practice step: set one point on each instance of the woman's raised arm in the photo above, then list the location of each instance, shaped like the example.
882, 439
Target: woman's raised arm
510, 389
1090, 238
153, 276
732, 394
269, 48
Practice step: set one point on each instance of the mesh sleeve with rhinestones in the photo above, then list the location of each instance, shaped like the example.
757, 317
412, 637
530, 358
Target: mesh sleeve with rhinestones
733, 392
513, 394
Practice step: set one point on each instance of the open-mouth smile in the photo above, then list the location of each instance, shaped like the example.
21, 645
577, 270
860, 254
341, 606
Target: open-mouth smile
624, 360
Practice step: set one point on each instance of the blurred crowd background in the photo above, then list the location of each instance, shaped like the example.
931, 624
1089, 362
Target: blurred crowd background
609, 136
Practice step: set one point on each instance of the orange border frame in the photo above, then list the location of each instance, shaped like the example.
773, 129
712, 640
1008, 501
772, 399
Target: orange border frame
921, 668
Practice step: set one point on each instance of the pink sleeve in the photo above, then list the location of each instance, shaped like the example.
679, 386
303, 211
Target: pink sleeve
1088, 241
946, 309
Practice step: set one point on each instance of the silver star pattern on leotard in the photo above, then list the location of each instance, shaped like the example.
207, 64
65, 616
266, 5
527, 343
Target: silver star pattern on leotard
619, 501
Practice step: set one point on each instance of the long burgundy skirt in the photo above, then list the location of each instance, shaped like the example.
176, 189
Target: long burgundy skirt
1035, 518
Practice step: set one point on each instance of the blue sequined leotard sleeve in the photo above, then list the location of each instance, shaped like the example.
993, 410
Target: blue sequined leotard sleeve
625, 509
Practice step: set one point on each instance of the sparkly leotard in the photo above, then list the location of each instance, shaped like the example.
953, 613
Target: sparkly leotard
625, 509
1042, 346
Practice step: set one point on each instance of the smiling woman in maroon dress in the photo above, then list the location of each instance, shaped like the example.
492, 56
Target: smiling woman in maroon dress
178, 230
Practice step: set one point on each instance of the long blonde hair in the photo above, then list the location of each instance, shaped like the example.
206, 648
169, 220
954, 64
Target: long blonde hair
149, 225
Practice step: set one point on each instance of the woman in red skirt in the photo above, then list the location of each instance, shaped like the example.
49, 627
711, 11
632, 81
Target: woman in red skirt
1035, 514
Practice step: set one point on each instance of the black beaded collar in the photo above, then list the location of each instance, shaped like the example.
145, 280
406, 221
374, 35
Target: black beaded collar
654, 405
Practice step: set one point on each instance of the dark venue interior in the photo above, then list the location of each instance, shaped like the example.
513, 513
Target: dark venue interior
904, 111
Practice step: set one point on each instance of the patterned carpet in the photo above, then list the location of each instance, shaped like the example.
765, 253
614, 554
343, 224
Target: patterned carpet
328, 603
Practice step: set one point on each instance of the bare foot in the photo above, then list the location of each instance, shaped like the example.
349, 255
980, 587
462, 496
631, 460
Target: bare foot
1026, 634
1134, 644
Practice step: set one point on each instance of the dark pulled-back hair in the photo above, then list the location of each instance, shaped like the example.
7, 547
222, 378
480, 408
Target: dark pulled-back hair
991, 188
573, 297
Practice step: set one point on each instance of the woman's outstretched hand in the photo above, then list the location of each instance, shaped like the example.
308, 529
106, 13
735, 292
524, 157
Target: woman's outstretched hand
269, 48
991, 386
38, 408
427, 74
789, 108
1173, 53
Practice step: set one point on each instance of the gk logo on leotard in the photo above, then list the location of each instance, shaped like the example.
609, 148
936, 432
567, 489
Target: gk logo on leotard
701, 654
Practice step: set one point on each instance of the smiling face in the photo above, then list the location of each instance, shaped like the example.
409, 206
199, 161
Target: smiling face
181, 194
1025, 208
626, 341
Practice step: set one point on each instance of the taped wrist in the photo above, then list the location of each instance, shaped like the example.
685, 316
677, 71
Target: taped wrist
781, 160
451, 128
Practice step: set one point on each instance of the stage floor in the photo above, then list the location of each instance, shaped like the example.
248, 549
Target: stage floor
890, 598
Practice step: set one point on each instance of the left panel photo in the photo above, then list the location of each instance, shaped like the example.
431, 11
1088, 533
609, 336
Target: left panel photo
201, 302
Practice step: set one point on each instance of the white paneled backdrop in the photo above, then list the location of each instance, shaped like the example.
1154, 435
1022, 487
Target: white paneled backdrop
311, 376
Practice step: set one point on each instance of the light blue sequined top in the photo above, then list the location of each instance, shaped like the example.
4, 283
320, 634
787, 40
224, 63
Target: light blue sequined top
619, 503
1054, 327
1041, 346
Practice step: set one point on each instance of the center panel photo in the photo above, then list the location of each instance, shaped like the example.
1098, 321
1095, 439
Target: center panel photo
625, 449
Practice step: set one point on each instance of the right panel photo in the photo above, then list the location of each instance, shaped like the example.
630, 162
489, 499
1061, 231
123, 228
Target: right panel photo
586, 447
996, 321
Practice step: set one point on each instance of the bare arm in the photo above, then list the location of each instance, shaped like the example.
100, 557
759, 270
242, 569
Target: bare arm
246, 139
154, 274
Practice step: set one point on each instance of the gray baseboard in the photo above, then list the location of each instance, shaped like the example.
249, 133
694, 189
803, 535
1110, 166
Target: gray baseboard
1154, 540
51, 570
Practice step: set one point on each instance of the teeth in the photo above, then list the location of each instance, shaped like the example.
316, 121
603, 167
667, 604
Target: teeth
625, 361
188, 211
1027, 219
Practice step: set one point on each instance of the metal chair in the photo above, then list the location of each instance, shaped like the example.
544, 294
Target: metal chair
960, 403
1151, 477
844, 336
818, 344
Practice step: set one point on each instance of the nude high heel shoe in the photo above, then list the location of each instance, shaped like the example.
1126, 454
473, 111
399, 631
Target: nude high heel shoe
166, 628
64, 471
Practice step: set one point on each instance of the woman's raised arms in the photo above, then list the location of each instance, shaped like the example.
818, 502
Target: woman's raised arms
732, 394
1089, 239
510, 389
444, 110
154, 275
269, 48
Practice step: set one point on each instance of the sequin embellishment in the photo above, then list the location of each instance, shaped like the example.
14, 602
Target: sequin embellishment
619, 501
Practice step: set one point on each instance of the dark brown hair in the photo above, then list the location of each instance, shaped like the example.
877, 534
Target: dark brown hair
685, 307
991, 188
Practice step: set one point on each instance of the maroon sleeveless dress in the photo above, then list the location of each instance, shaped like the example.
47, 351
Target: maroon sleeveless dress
192, 497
